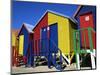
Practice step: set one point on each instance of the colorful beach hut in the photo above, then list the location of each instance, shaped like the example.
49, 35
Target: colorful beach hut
85, 36
57, 28
25, 37
14, 46
86, 17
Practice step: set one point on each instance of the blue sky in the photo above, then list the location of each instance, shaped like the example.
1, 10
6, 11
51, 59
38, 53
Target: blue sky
30, 12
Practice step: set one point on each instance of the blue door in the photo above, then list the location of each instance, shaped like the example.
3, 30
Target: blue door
53, 38
49, 39
44, 41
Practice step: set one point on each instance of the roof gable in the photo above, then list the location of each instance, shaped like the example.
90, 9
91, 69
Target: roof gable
56, 13
28, 27
59, 14
84, 9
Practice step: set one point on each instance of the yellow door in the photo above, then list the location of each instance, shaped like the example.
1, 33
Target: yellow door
21, 44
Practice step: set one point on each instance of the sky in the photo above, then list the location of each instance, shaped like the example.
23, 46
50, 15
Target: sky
31, 12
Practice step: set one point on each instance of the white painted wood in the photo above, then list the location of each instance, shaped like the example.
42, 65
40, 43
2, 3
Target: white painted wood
66, 58
77, 61
92, 60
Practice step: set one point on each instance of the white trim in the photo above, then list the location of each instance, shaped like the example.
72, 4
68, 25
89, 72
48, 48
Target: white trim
26, 25
78, 61
39, 19
66, 58
92, 61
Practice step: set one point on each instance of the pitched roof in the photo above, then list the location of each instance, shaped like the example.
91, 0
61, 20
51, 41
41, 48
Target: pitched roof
28, 27
59, 14
62, 15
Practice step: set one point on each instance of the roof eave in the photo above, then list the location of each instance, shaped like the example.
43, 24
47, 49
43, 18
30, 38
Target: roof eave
78, 9
39, 20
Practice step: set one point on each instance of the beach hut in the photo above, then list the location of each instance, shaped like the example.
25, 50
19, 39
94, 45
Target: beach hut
85, 36
86, 17
14, 46
65, 26
57, 28
25, 37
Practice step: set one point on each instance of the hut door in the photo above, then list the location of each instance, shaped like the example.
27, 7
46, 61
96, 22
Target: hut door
44, 40
49, 38
53, 37
21, 44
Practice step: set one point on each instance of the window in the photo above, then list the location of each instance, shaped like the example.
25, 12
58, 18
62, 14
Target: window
48, 28
87, 18
44, 29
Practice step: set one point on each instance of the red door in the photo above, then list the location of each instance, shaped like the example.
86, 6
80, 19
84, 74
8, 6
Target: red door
86, 20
